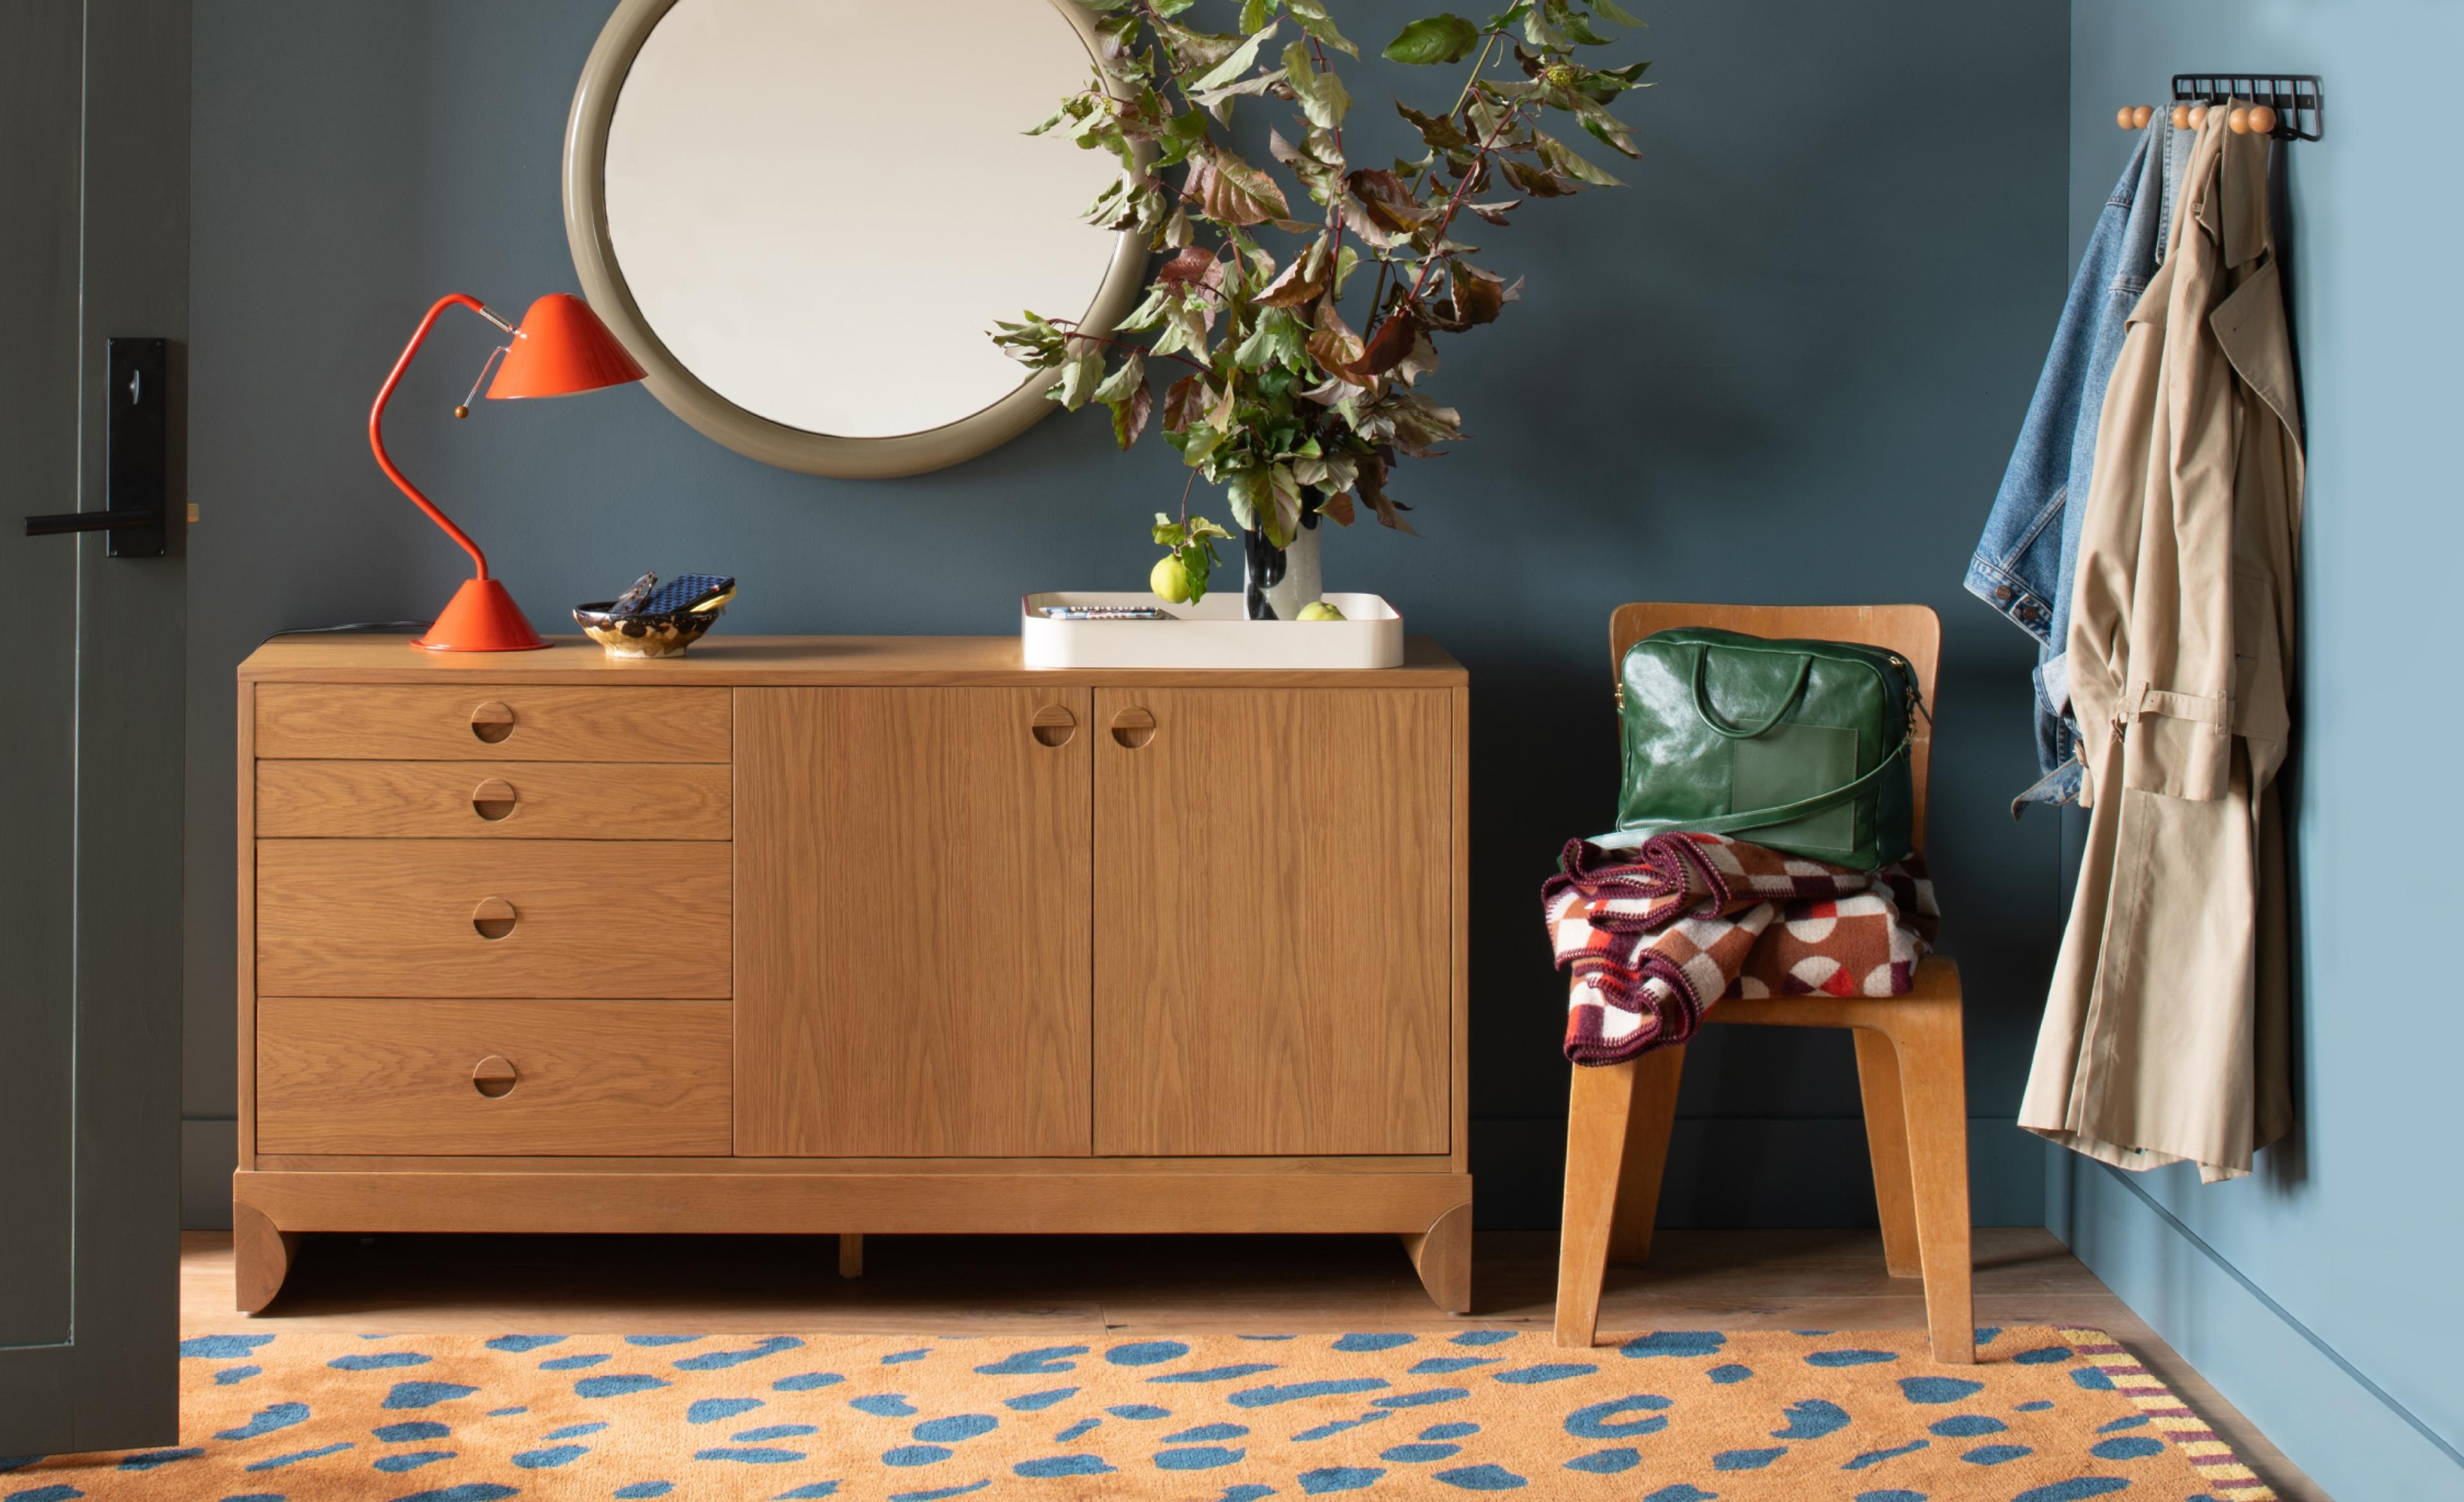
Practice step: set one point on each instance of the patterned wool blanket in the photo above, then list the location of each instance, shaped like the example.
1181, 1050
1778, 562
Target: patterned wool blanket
1652, 937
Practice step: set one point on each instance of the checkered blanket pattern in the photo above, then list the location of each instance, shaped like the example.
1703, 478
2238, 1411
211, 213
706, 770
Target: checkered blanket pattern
1651, 938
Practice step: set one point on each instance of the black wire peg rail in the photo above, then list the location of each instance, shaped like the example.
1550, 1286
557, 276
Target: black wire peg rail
2290, 106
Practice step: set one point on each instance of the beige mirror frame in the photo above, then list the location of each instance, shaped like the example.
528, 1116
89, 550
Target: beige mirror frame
716, 415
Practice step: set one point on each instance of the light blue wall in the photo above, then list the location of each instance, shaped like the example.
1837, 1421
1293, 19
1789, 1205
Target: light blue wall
2322, 1295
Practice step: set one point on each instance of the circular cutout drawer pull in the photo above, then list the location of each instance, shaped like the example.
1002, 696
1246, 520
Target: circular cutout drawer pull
1134, 727
493, 800
494, 918
1053, 725
492, 722
495, 1076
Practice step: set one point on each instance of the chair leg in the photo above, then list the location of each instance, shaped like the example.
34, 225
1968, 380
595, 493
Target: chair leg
1886, 1142
1651, 1111
1933, 1079
1595, 1126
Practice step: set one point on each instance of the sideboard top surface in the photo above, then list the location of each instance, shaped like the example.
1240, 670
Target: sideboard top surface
824, 660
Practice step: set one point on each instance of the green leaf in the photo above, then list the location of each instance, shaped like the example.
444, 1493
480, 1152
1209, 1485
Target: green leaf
1311, 16
1130, 377
1251, 494
1612, 13
1322, 95
1130, 415
1239, 63
1168, 533
1561, 159
1080, 375
1253, 13
1437, 38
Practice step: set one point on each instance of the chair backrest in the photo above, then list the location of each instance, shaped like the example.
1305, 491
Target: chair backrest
1912, 630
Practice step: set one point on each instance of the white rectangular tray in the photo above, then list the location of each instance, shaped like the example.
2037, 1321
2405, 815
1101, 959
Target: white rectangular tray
1212, 634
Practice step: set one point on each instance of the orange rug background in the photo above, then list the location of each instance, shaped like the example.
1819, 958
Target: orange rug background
2048, 1415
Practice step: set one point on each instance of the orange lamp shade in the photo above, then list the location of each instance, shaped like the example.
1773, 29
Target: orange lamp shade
561, 348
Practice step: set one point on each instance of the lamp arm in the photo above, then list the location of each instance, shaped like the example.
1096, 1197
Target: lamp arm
376, 420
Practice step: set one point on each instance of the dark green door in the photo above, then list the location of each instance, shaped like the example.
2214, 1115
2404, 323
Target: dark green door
94, 230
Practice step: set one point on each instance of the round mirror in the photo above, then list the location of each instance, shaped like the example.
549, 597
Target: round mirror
803, 216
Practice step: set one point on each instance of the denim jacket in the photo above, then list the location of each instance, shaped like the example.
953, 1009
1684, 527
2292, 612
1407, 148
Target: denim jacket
2029, 551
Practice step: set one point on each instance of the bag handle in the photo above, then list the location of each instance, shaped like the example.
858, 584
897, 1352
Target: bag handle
1755, 818
1712, 717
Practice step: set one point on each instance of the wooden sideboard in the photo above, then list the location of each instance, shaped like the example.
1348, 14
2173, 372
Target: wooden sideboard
848, 935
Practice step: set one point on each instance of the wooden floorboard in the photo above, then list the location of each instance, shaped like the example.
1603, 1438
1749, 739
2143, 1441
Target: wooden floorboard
1085, 1285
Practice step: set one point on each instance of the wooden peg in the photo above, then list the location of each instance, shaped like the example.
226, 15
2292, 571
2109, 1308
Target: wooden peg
2121, 116
2239, 120
2139, 117
2198, 116
2262, 120
2181, 117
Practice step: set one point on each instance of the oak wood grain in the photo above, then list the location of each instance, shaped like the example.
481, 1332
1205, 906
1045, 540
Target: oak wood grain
874, 661
244, 901
396, 1075
1122, 1167
881, 1204
493, 800
504, 720
597, 918
911, 925
1274, 961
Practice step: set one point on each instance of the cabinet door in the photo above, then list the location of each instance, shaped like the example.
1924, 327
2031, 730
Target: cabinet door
1272, 949
910, 931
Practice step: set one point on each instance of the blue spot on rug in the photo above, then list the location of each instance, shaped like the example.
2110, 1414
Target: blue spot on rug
1606, 1462
1042, 1361
1483, 1478
1674, 1342
1061, 1465
1938, 1389
1812, 1418
220, 1348
281, 1416
615, 1385
1338, 1478
1146, 1353
428, 1395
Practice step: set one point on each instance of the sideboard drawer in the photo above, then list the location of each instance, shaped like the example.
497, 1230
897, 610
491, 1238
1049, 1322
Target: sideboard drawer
482, 722
493, 800
515, 1079
494, 918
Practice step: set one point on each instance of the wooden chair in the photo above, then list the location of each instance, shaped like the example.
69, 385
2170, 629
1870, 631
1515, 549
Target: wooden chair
1909, 1062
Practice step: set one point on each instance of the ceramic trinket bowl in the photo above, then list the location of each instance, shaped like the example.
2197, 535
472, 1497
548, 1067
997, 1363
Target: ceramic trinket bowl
650, 620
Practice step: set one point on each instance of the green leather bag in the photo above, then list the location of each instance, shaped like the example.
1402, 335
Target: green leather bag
1798, 746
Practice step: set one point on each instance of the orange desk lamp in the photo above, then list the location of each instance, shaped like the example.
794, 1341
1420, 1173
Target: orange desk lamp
561, 348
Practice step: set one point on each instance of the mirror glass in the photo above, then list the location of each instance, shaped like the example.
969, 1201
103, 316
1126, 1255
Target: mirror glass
818, 207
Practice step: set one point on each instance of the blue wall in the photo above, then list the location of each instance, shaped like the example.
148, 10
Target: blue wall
1786, 365
2321, 1295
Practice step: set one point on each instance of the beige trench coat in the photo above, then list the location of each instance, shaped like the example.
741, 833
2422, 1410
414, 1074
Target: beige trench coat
2166, 1035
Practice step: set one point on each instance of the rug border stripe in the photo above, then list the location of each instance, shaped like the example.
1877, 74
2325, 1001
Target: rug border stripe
2199, 1444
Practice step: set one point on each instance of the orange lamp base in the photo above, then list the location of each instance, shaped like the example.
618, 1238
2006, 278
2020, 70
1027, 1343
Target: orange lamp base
480, 617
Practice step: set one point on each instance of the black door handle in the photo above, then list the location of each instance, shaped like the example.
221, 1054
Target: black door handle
136, 446
91, 521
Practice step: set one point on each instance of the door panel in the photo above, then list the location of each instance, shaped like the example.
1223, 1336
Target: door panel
93, 235
911, 921
1272, 951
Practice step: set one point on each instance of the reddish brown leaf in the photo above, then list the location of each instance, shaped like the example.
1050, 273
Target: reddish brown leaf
1372, 486
1392, 341
1181, 402
1295, 286
1334, 346
1191, 265
1337, 508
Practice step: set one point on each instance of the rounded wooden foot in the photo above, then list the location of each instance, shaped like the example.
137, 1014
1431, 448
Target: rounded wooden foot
260, 1257
1443, 1256
851, 1254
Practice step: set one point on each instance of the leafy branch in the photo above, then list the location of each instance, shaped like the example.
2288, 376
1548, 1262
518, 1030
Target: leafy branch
1283, 404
